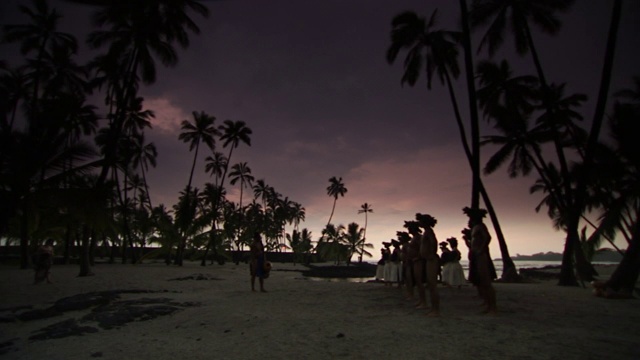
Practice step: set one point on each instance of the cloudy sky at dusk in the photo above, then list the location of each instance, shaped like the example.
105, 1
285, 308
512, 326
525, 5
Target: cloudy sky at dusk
311, 80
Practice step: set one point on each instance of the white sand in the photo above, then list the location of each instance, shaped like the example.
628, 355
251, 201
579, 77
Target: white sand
306, 319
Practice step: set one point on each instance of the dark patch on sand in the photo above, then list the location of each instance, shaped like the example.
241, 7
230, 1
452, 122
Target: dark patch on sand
353, 271
196, 277
69, 327
107, 310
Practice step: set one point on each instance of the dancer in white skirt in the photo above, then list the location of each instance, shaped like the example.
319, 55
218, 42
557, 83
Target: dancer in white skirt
452, 273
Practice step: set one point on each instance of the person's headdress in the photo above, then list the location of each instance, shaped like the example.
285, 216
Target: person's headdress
426, 220
453, 242
412, 226
443, 244
403, 236
474, 214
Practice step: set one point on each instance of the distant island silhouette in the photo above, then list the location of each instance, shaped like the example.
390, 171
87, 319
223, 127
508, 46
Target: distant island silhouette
602, 255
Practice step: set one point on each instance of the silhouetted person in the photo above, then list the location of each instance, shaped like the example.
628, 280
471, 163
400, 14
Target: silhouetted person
43, 262
484, 270
257, 262
380, 267
429, 254
452, 272
418, 263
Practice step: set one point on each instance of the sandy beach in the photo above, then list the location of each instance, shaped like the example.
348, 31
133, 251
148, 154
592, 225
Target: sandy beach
152, 311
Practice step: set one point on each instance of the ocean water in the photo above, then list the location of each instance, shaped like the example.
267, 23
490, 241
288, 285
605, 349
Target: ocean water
520, 264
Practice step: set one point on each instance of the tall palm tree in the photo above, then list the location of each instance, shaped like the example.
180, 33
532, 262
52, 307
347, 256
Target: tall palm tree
521, 14
336, 188
571, 247
201, 130
140, 32
417, 36
364, 209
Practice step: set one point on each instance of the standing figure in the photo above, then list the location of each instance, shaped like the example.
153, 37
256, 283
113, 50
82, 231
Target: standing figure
257, 262
429, 252
380, 267
484, 269
445, 257
387, 263
394, 259
452, 272
43, 262
417, 262
407, 264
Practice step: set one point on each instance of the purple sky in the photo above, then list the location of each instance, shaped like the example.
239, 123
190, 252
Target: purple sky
311, 80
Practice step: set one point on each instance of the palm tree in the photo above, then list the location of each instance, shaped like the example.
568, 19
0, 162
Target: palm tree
336, 188
541, 13
356, 242
140, 31
39, 36
201, 130
215, 165
331, 244
415, 34
233, 133
144, 154
622, 209
587, 272
262, 191
241, 172
364, 209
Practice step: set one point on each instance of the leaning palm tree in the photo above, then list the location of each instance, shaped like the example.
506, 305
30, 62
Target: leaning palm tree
520, 14
364, 209
336, 188
620, 215
438, 49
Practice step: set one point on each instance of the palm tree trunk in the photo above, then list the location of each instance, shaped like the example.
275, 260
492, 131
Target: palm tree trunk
625, 277
509, 271
473, 108
335, 199
567, 275
585, 269
364, 240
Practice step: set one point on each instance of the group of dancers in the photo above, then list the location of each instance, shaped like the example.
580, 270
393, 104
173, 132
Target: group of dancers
411, 261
